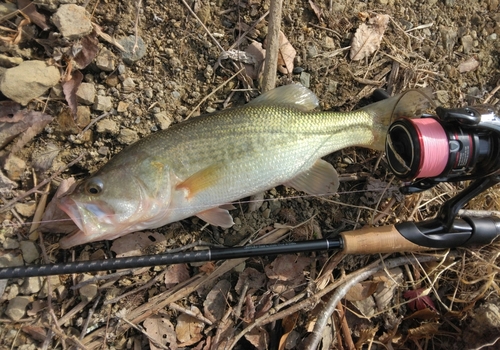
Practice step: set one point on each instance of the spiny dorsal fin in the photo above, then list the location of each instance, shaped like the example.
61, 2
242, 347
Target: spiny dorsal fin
294, 94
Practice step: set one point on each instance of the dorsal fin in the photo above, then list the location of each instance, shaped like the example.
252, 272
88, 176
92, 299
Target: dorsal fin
294, 94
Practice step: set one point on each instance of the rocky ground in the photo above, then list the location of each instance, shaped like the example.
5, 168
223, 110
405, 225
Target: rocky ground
83, 79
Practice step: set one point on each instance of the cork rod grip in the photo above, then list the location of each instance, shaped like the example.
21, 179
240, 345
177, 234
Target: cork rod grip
373, 240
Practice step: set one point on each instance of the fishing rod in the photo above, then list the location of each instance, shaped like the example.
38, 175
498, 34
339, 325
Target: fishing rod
453, 145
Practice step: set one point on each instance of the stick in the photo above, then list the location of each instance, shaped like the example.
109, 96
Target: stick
273, 36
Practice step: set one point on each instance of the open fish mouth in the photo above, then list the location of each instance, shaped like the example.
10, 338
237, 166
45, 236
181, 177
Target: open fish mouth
91, 218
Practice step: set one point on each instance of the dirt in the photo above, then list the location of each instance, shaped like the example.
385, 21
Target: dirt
424, 46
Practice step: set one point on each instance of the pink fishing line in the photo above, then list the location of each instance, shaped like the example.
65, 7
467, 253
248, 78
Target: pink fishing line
434, 146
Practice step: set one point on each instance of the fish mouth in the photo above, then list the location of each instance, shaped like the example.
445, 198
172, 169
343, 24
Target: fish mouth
91, 219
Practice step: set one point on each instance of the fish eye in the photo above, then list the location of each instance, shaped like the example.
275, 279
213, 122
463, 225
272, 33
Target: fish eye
93, 186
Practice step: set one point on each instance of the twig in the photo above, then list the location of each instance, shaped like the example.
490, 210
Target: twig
314, 338
8, 205
183, 310
345, 326
204, 27
272, 49
214, 91
136, 26
491, 94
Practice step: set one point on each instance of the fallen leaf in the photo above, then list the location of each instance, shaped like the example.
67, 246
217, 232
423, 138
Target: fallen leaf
29, 9
424, 331
133, 244
286, 55
368, 37
259, 338
215, 302
160, 331
70, 87
255, 69
361, 291
66, 124
87, 50
468, 65
316, 9
36, 332
175, 274
249, 312
42, 159
288, 325
8, 109
255, 280
419, 299
223, 336
287, 267
29, 123
189, 328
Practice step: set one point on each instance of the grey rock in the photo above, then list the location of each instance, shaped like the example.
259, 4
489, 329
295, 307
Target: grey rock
305, 79
30, 251
17, 308
6, 184
103, 103
11, 259
10, 243
32, 285
132, 52
107, 126
467, 43
127, 136
105, 60
89, 291
163, 120
86, 94
29, 80
73, 21
128, 85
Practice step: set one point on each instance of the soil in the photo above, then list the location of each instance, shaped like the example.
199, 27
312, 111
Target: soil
426, 44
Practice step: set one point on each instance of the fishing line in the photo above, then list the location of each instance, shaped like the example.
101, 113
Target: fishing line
320, 196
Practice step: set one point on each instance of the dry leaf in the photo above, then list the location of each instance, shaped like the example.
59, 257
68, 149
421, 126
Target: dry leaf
265, 303
316, 9
8, 109
70, 87
66, 124
189, 328
175, 274
30, 123
160, 331
259, 338
215, 302
425, 331
419, 299
256, 50
368, 37
288, 325
468, 65
133, 244
286, 55
287, 267
254, 278
36, 332
224, 335
87, 50
249, 312
384, 296
54, 219
42, 159
361, 291
29, 9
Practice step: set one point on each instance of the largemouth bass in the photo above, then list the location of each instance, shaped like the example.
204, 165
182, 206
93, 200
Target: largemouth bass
197, 166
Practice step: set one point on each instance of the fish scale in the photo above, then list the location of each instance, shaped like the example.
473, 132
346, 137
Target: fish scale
194, 167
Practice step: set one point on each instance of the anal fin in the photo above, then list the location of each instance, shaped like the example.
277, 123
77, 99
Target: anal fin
217, 216
321, 178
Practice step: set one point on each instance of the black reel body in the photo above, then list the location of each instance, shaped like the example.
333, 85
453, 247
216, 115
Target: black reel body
455, 145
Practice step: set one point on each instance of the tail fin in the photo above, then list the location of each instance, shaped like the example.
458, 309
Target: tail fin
410, 103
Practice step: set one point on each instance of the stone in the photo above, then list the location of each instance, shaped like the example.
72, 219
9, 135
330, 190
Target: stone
128, 85
10, 243
105, 60
89, 291
132, 51
6, 184
107, 126
122, 107
29, 80
163, 120
82, 116
467, 43
73, 21
7, 8
29, 251
103, 103
305, 79
14, 167
11, 259
17, 308
127, 136
26, 209
9, 62
32, 285
86, 93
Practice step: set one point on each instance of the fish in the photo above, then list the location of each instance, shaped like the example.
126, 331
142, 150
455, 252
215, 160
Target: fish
199, 166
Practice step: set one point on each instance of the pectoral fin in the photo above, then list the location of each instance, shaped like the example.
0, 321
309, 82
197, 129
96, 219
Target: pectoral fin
322, 178
201, 180
217, 216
